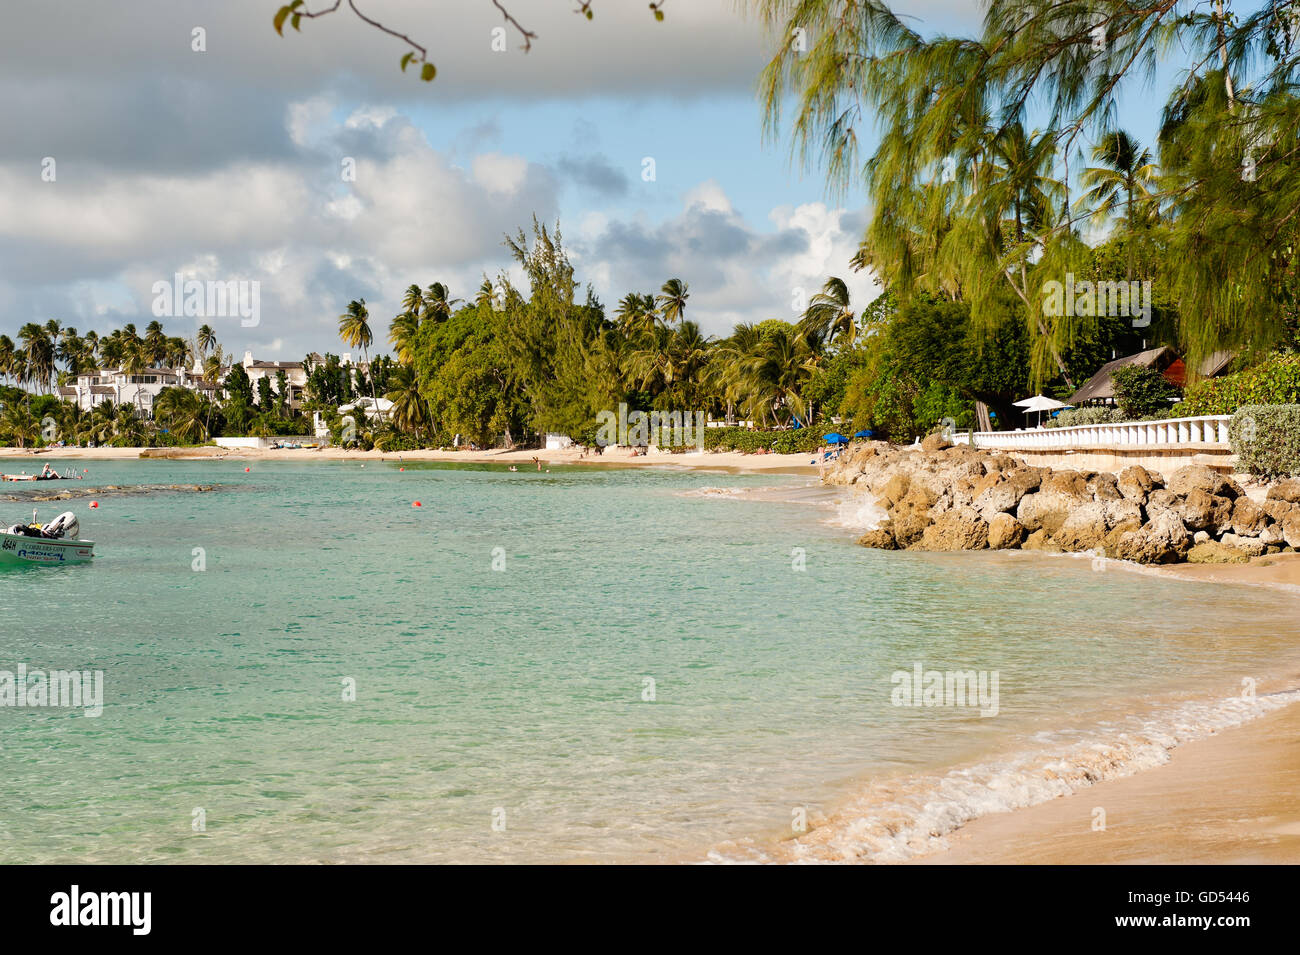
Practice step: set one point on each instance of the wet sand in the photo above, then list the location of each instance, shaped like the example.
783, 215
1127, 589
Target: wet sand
1231, 798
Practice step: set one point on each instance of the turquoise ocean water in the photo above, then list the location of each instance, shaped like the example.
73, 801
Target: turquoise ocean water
503, 714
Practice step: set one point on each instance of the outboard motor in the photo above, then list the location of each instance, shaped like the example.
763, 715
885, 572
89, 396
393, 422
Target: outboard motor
65, 525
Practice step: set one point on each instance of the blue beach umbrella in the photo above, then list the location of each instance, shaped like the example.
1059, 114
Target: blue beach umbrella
866, 433
835, 438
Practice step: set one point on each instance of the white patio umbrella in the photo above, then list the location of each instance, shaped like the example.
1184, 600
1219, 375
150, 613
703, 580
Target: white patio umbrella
1040, 403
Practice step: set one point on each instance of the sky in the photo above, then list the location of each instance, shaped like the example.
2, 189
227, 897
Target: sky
231, 162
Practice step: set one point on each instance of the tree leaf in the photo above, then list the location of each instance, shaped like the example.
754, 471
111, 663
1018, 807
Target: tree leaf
280, 16
428, 72
297, 17
406, 60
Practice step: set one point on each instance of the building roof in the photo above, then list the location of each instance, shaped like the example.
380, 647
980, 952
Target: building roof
1099, 386
1163, 359
102, 390
64, 390
287, 365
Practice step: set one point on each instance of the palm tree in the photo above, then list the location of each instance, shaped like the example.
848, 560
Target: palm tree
829, 315
155, 344
410, 408
354, 330
184, 412
134, 363
727, 371
38, 351
438, 303
1125, 176
8, 356
636, 316
212, 366
774, 376
672, 300
19, 424
207, 340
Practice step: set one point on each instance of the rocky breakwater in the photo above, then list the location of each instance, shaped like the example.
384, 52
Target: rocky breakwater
943, 498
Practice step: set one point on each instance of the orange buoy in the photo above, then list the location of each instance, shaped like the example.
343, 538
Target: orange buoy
416, 504
94, 503
401, 469
246, 470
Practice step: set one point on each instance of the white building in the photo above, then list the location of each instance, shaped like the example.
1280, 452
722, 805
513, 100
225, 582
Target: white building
294, 371
141, 389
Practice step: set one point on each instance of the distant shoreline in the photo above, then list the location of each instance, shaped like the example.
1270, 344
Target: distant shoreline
730, 461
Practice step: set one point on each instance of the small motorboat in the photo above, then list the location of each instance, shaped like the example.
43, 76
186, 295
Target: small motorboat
53, 543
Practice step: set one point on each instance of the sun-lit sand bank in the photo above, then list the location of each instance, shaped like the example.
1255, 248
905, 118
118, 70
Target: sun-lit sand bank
618, 457
1231, 798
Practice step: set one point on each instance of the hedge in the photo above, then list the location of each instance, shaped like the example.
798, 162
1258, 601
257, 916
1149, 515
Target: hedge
1096, 414
799, 441
1274, 381
1266, 439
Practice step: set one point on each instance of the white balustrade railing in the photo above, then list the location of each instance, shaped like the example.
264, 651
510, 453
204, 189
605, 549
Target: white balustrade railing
1206, 430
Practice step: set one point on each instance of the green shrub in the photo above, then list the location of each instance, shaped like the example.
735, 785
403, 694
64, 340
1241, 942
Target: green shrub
1096, 414
1266, 439
1274, 381
1142, 393
744, 440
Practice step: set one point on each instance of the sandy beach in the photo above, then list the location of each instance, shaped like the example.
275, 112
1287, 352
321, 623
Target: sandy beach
1231, 798
620, 457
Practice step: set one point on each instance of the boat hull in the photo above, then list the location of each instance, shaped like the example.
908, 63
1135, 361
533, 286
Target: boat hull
18, 549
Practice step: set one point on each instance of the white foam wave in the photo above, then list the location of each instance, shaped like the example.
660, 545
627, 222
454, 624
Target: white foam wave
859, 514
901, 819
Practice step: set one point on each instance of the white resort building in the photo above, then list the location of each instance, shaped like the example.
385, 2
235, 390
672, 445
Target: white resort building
139, 389
295, 373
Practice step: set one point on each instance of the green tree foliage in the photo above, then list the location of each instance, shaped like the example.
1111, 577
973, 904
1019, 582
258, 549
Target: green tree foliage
967, 202
1142, 392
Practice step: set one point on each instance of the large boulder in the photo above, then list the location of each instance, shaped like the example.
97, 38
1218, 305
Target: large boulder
881, 538
1161, 498
1202, 511
911, 515
1163, 539
1087, 526
1250, 546
1041, 540
1248, 518
1279, 511
1213, 552
935, 442
1060, 493
895, 489
1198, 477
1136, 482
1005, 532
1287, 491
1002, 491
1291, 529
1104, 487
958, 529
